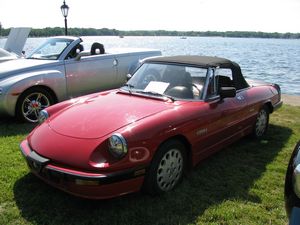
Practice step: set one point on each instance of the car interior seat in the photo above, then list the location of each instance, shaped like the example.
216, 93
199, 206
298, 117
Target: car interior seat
180, 84
97, 48
75, 51
224, 81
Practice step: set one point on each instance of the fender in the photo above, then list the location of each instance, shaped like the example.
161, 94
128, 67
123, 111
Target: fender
52, 79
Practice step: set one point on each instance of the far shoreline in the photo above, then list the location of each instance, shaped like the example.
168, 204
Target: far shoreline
78, 31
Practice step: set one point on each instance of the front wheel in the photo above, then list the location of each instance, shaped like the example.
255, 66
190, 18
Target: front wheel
166, 169
31, 102
262, 123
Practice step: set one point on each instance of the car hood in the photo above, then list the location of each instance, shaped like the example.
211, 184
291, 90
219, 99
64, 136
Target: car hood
104, 114
15, 67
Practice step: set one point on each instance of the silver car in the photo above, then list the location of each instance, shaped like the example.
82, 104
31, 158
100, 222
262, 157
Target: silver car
61, 69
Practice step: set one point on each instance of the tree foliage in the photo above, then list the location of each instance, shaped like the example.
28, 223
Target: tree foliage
57, 31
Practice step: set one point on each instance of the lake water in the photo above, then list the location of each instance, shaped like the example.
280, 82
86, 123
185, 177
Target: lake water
272, 60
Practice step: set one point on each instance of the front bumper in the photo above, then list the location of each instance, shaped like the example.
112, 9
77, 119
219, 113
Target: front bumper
82, 183
7, 103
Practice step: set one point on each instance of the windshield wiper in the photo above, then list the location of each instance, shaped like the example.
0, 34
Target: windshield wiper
153, 93
35, 58
129, 87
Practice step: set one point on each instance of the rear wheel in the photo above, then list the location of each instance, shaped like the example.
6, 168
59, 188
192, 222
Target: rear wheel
31, 102
262, 123
167, 168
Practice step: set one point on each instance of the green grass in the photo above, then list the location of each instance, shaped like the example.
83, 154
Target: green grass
242, 184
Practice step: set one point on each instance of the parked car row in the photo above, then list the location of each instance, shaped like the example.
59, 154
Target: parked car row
114, 137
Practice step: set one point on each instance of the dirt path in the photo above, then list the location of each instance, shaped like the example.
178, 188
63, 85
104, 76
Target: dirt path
293, 100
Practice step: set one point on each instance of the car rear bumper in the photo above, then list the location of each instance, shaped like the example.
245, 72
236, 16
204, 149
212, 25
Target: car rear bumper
81, 183
277, 105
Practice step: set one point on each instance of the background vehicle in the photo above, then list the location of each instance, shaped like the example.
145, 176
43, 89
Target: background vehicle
173, 112
292, 187
6, 56
61, 69
14, 44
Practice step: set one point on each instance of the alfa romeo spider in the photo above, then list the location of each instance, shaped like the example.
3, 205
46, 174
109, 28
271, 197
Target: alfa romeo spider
172, 113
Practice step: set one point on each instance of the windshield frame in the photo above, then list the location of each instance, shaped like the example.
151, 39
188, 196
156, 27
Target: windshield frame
46, 44
130, 85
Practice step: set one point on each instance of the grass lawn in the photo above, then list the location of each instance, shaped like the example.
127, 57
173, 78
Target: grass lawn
243, 184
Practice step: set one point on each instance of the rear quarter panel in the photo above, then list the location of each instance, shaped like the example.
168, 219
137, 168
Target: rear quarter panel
260, 95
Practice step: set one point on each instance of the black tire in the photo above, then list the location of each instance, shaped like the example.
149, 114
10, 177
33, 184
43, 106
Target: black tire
262, 123
31, 102
166, 169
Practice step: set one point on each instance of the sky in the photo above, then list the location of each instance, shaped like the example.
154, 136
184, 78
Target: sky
181, 15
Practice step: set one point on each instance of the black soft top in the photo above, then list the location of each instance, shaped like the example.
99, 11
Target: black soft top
206, 62
203, 61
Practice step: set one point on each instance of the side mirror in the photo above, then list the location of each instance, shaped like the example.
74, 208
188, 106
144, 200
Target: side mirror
128, 76
227, 92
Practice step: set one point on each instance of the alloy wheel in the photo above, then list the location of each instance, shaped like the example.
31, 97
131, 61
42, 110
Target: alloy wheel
261, 123
33, 104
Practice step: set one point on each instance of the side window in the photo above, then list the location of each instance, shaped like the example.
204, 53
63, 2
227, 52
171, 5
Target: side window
224, 78
198, 76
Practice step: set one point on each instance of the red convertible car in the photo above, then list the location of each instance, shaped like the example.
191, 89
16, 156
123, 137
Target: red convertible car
172, 113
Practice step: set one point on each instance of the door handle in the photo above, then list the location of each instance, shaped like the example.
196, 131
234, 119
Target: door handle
115, 62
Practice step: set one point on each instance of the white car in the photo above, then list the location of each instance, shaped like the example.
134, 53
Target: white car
61, 69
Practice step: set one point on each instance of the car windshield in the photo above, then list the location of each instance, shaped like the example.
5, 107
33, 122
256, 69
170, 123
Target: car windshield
168, 80
51, 49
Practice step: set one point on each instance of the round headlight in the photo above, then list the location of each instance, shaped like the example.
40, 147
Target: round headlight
117, 145
43, 115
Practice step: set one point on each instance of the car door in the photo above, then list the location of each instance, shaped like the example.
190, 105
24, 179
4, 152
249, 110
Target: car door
222, 119
90, 74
